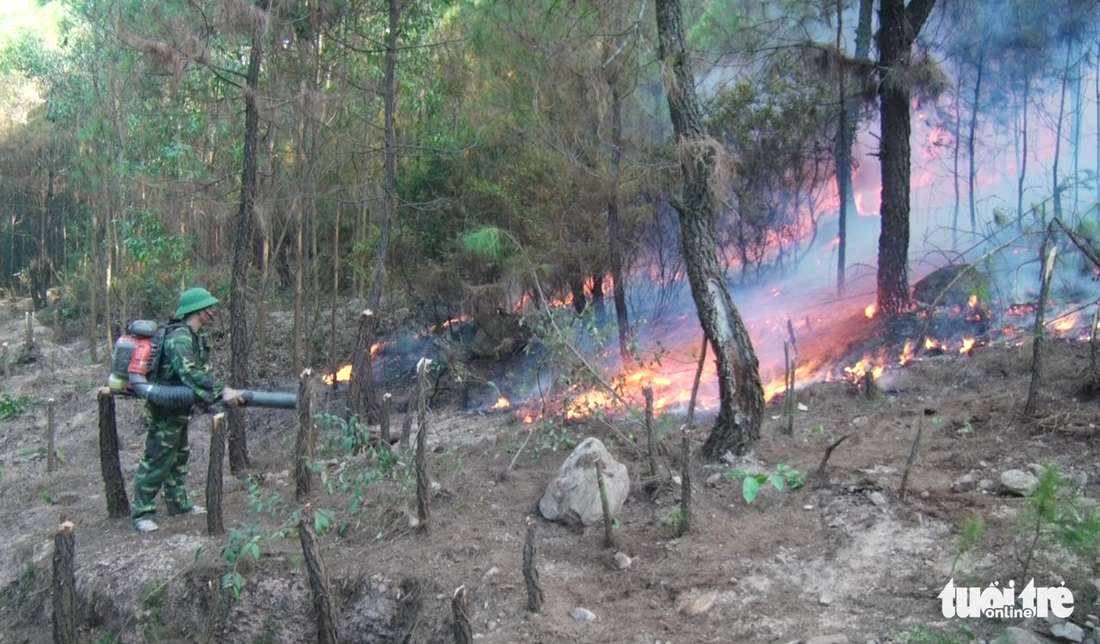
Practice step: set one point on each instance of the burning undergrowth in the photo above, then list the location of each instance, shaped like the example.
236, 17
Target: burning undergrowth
526, 364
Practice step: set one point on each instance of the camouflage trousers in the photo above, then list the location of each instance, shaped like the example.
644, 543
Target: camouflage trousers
163, 465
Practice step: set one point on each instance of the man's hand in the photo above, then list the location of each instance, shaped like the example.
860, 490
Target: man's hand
232, 397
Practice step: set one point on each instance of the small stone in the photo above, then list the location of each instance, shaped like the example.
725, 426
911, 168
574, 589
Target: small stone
622, 561
697, 603
807, 507
983, 464
802, 407
924, 494
582, 614
1068, 631
860, 421
714, 479
835, 522
965, 483
1092, 620
492, 625
825, 600
1018, 482
490, 572
676, 480
836, 638
878, 499
1014, 635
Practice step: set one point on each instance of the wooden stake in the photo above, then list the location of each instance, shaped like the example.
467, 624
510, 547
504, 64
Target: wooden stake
684, 525
912, 457
51, 459
384, 417
788, 385
114, 486
29, 320
460, 613
1039, 332
215, 526
318, 579
608, 535
64, 585
530, 572
7, 360
651, 435
406, 433
303, 442
422, 483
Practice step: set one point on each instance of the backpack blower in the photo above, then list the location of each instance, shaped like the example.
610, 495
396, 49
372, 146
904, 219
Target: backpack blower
137, 355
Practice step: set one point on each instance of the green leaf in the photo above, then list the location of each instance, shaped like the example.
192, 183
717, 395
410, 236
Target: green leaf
749, 488
776, 481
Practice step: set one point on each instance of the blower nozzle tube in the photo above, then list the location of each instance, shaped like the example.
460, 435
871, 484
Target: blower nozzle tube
182, 397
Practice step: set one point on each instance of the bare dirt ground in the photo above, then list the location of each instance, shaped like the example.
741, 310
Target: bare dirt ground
842, 555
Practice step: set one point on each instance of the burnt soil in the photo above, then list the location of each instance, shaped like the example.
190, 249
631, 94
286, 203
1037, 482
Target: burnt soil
842, 554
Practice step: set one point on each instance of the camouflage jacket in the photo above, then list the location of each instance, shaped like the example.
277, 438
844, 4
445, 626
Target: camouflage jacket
186, 360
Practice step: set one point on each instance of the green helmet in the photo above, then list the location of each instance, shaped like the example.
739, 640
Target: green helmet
195, 299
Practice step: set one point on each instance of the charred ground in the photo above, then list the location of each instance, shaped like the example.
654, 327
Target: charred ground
843, 554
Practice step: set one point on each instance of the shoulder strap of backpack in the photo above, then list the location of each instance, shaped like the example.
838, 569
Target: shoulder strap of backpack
159, 339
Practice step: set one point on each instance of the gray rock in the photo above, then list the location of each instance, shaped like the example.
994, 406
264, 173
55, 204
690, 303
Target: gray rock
621, 560
574, 497
1013, 635
836, 638
878, 498
1018, 482
1068, 631
582, 614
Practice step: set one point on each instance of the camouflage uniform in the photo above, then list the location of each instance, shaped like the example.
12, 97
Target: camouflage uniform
185, 361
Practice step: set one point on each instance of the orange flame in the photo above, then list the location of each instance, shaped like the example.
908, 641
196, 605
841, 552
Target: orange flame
906, 354
343, 374
1067, 322
967, 345
973, 301
502, 403
870, 311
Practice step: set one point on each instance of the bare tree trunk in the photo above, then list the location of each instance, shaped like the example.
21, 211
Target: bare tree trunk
614, 230
422, 483
1049, 253
899, 27
972, 176
318, 579
389, 163
238, 289
740, 392
1023, 157
118, 506
362, 398
1058, 136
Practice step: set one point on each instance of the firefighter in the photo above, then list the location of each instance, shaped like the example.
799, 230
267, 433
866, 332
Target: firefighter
185, 360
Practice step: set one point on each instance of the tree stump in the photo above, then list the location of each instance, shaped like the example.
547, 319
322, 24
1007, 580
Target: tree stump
685, 482
215, 526
384, 417
318, 579
651, 435
460, 612
303, 443
118, 506
51, 457
64, 585
530, 572
422, 482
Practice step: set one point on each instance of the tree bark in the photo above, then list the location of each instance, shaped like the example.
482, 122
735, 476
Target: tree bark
215, 524
460, 614
614, 230
64, 585
389, 162
318, 579
972, 176
740, 392
362, 396
238, 289
422, 483
899, 27
303, 444
114, 486
531, 571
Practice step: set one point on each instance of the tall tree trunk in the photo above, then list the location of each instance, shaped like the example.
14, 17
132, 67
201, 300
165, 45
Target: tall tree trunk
899, 26
846, 135
614, 230
238, 288
741, 395
1023, 157
389, 162
972, 136
1058, 136
843, 157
